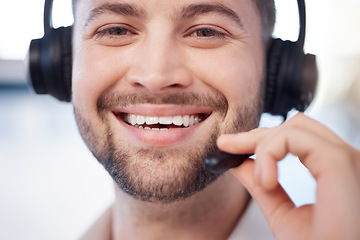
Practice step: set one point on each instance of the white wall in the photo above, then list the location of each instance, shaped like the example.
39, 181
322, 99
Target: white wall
52, 188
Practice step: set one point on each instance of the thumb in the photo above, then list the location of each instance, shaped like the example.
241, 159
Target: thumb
274, 203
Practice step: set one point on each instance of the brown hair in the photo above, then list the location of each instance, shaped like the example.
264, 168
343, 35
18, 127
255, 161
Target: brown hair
267, 13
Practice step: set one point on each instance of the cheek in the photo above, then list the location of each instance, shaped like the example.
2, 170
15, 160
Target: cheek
96, 69
235, 72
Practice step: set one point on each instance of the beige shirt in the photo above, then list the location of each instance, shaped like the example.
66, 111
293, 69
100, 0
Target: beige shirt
252, 226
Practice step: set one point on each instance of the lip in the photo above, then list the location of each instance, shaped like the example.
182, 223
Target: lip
160, 138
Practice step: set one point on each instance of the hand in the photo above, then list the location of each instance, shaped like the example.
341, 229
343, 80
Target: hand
334, 164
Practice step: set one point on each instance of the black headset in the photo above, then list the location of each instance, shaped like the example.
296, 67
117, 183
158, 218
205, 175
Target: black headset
291, 76
50, 59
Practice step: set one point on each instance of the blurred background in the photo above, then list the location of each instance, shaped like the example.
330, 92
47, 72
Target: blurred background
51, 187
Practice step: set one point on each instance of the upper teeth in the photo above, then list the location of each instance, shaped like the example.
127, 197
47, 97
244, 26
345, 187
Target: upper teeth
186, 120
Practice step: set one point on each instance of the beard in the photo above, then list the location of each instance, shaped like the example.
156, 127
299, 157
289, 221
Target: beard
168, 174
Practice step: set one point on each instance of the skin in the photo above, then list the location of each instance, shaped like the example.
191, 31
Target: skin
164, 58
334, 164
160, 64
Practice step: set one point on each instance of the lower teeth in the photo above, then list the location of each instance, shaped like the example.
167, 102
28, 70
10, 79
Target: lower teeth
153, 129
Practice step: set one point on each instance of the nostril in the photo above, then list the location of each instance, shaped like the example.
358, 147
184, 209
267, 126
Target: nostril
159, 79
157, 88
137, 84
176, 85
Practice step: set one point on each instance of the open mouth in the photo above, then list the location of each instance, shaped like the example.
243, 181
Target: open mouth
161, 123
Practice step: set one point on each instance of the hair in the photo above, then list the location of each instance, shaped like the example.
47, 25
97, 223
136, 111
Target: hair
267, 13
266, 10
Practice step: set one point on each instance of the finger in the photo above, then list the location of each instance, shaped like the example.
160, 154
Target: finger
318, 156
248, 142
309, 141
305, 123
272, 145
274, 204
238, 143
338, 194
241, 143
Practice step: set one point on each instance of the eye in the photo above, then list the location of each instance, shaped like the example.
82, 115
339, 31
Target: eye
112, 31
207, 36
117, 31
115, 35
207, 32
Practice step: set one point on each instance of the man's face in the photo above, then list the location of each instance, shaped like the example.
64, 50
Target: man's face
155, 82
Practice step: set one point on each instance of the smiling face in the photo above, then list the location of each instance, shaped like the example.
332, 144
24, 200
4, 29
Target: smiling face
156, 82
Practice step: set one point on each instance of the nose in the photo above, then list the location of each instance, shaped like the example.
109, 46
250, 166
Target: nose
159, 66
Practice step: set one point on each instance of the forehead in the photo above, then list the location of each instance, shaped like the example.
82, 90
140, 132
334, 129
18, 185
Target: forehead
85, 8
160, 2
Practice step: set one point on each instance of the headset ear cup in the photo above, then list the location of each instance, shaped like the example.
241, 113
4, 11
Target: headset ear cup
58, 74
272, 70
310, 77
66, 63
50, 63
291, 78
34, 72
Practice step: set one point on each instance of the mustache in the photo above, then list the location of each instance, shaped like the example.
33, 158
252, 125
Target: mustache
215, 101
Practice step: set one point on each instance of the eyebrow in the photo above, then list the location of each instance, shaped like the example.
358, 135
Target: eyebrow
188, 12
117, 8
194, 10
